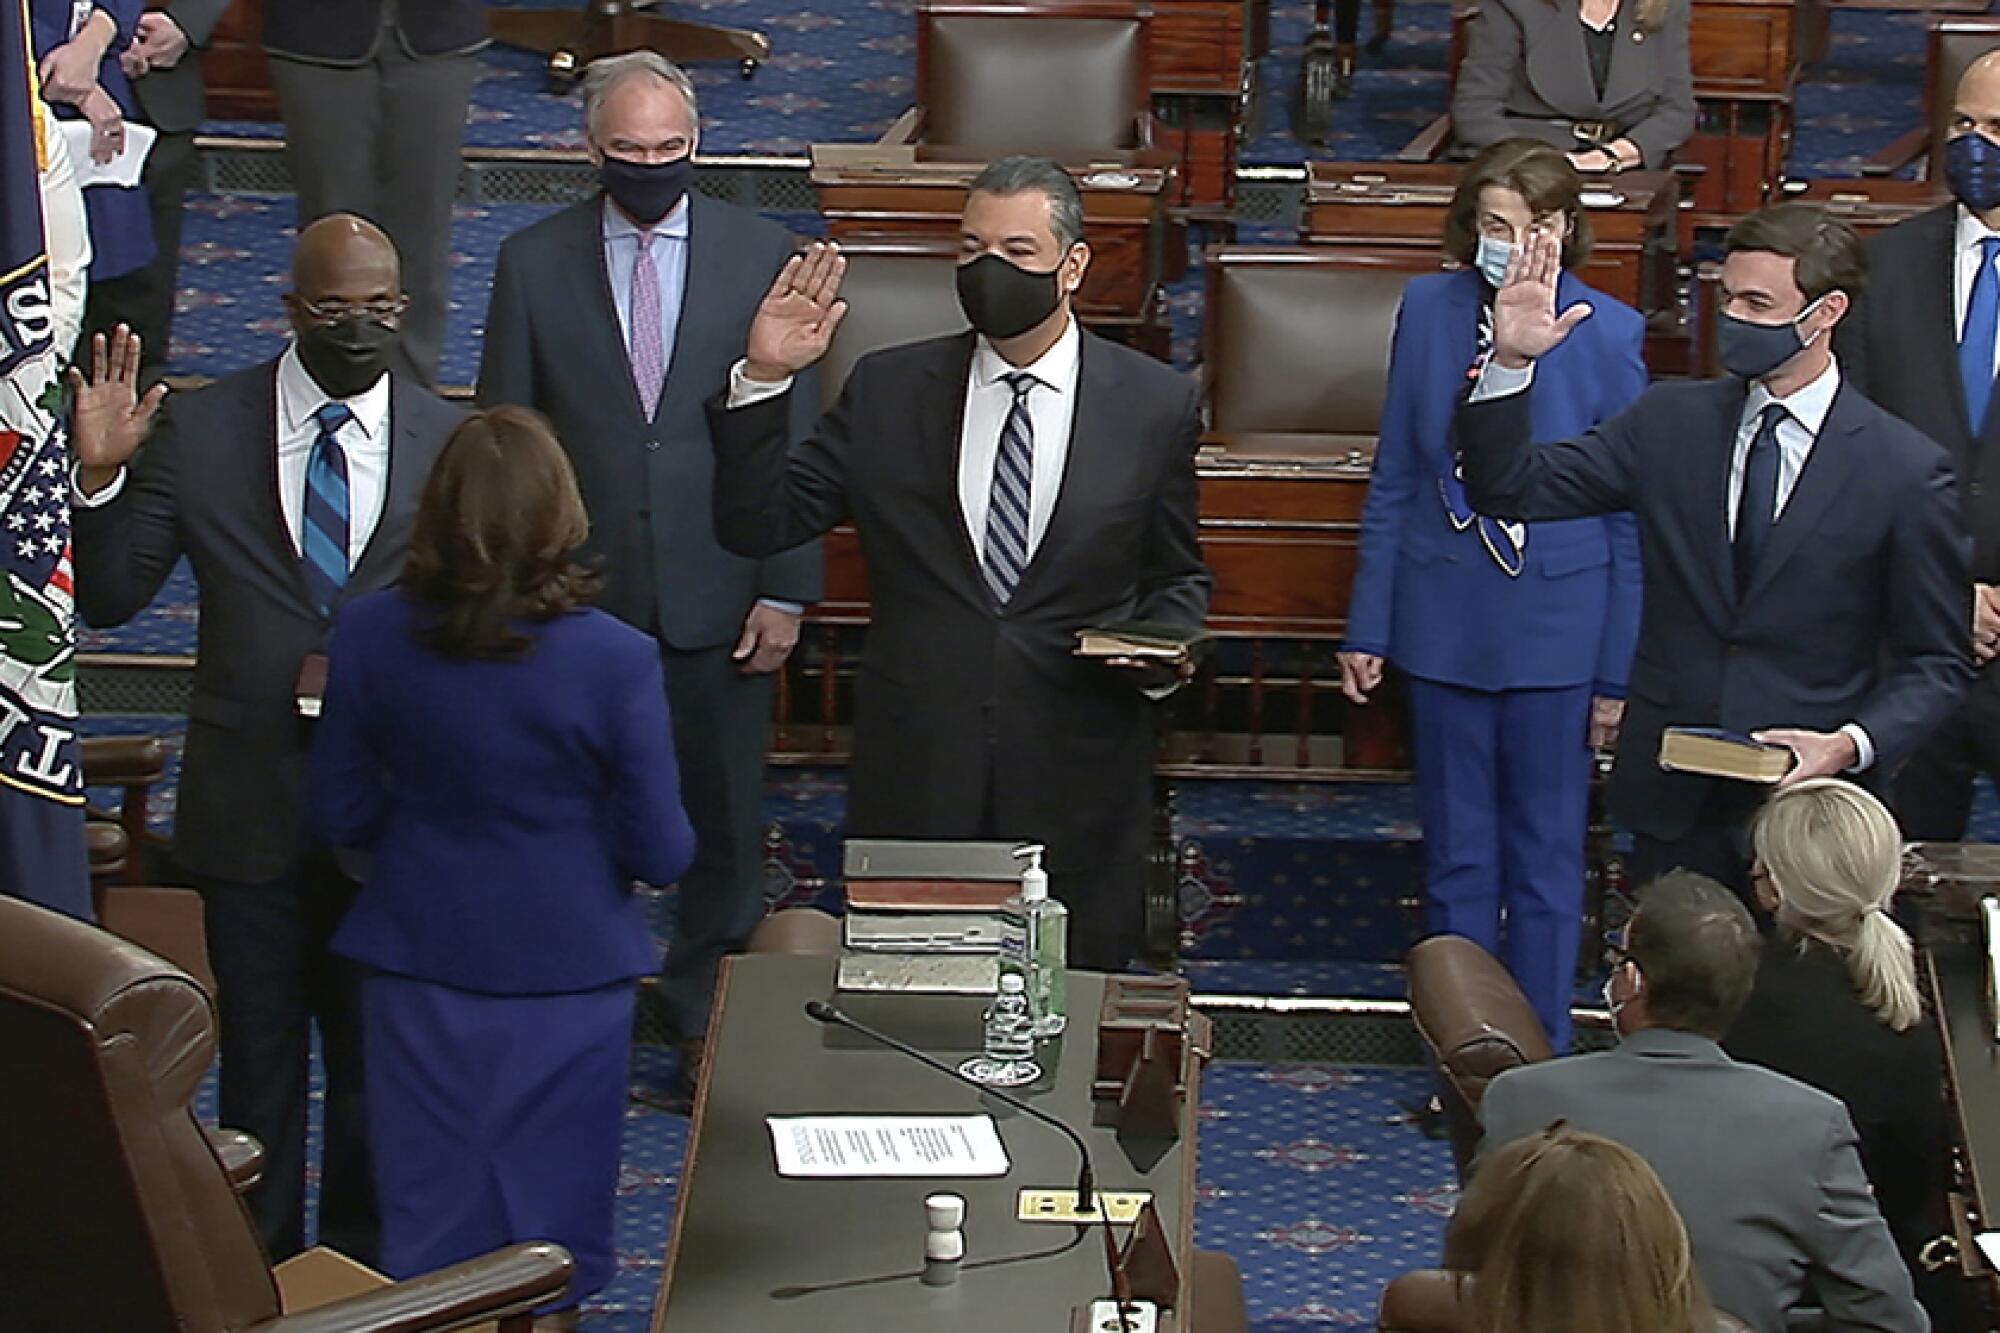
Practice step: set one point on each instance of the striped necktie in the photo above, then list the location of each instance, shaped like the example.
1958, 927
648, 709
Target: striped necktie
323, 531
649, 345
1006, 553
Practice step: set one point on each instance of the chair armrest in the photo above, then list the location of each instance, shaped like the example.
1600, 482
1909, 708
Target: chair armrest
500, 1285
1429, 145
1901, 151
242, 1157
905, 128
122, 761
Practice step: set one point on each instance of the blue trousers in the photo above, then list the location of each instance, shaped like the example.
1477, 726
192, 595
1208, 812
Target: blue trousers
1503, 789
496, 1119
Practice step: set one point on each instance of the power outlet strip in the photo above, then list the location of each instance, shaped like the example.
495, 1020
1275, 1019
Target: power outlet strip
1063, 1206
1140, 1317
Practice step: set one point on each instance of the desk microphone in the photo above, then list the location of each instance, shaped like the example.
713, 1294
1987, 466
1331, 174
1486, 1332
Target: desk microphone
1086, 1176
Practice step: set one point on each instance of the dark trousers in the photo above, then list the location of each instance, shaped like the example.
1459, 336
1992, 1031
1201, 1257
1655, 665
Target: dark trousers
722, 721
1933, 792
275, 979
1718, 846
382, 140
144, 298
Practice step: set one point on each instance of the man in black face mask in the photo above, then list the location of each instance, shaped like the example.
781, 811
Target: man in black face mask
616, 318
1011, 486
1924, 343
289, 488
1804, 575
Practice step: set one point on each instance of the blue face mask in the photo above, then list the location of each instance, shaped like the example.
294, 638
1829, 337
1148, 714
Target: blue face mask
1972, 169
1492, 258
1750, 351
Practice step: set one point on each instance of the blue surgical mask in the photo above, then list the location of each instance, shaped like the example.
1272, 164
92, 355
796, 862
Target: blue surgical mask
1492, 258
1972, 169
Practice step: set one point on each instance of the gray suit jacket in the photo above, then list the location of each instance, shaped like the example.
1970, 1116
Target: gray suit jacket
1526, 73
205, 487
1764, 1171
173, 98
553, 343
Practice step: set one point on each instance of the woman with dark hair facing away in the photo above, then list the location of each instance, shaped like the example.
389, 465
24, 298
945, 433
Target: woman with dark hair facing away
1605, 81
505, 755
1836, 1005
1515, 638
1566, 1232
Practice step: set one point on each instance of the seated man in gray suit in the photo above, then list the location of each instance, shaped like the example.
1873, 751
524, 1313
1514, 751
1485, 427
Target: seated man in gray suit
1764, 1170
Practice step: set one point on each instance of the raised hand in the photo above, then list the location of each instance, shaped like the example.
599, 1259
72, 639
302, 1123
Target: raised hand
109, 418
794, 323
1525, 322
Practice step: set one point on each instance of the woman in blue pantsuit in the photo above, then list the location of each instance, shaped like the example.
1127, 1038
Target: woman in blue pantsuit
1515, 638
504, 753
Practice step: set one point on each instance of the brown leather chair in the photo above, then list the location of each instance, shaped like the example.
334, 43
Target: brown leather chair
796, 930
1952, 46
1215, 1295
120, 1211
898, 290
1060, 78
105, 848
1428, 1301
135, 764
1476, 1024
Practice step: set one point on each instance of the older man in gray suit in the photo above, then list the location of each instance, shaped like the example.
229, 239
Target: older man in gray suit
1764, 1170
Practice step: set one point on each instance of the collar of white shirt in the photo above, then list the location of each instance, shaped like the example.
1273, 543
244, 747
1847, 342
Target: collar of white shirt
1808, 406
1971, 231
674, 225
1055, 368
299, 396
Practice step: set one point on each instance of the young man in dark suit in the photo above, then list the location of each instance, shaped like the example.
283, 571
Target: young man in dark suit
1805, 578
290, 488
616, 318
1924, 343
1011, 486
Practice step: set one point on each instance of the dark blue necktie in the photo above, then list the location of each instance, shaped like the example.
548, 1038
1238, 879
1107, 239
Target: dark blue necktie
1975, 340
323, 529
1757, 506
1007, 509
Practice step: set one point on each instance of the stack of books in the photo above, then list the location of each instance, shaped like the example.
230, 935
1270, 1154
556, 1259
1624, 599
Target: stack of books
925, 916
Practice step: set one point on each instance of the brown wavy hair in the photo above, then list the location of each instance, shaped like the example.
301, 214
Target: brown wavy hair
495, 538
1541, 175
1566, 1232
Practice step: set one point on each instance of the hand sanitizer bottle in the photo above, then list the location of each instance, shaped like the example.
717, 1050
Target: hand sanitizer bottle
1047, 939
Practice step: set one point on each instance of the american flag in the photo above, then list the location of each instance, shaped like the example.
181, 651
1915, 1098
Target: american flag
36, 528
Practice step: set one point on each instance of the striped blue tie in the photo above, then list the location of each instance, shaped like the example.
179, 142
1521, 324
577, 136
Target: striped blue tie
323, 533
1006, 553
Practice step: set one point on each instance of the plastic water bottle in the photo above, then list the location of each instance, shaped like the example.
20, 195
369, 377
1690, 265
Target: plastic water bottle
1008, 1058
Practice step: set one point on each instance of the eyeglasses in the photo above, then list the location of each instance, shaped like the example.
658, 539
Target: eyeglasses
333, 312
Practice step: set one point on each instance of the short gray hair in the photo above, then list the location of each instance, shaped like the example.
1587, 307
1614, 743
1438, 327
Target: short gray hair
607, 72
1016, 175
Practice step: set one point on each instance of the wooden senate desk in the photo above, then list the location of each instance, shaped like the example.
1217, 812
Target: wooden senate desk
1397, 207
1871, 204
919, 191
753, 1251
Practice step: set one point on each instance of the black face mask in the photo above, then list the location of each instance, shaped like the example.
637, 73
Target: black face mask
647, 191
1751, 351
348, 355
1003, 300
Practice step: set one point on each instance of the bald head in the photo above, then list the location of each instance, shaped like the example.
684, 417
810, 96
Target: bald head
345, 259
1976, 105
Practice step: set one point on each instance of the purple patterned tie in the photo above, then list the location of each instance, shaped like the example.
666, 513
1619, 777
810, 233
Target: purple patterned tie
649, 353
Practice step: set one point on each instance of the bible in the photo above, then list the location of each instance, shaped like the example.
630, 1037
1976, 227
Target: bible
1143, 640
1715, 753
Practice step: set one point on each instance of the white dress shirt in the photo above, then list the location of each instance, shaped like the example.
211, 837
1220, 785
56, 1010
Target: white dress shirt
364, 439
1965, 267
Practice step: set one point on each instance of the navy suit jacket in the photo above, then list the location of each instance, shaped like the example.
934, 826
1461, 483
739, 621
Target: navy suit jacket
1426, 593
1859, 609
509, 805
346, 32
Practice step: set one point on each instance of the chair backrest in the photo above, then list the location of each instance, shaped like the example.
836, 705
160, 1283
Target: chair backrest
796, 930
897, 291
1954, 45
1062, 78
1477, 1025
1297, 338
117, 1212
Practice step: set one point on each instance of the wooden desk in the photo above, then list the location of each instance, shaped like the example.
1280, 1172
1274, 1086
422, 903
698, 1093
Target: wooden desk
1379, 207
1125, 199
1745, 56
1869, 205
753, 1251
1202, 78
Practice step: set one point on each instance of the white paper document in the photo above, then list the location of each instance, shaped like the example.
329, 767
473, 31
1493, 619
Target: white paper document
1989, 1245
887, 1147
121, 170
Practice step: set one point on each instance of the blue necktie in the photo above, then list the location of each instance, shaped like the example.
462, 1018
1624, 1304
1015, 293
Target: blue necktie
1757, 506
1006, 553
1975, 341
323, 531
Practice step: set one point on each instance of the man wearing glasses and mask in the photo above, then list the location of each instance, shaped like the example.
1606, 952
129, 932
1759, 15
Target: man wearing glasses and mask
289, 488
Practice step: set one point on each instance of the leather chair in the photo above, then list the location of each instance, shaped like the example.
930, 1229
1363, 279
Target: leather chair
1476, 1024
1428, 1301
135, 764
796, 930
105, 848
1953, 44
1215, 1295
121, 1212
898, 290
1059, 78
166, 921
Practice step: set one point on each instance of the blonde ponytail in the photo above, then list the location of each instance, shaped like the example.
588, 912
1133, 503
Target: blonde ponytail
1883, 965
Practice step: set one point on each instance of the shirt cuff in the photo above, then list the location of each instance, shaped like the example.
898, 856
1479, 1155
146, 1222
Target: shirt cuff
1497, 381
1864, 748
779, 604
744, 391
111, 491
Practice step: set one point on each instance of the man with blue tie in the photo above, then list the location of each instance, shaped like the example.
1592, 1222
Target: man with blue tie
1924, 343
290, 488
1805, 579
616, 318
